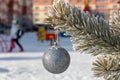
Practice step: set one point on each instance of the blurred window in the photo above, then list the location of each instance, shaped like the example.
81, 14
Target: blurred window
46, 13
46, 1
102, 0
36, 19
115, 0
37, 1
45, 8
37, 8
100, 6
36, 14
70, 0
79, 0
114, 6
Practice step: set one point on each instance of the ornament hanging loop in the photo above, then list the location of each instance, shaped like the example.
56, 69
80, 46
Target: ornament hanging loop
56, 43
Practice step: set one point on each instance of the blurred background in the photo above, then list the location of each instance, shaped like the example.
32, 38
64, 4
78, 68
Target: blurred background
31, 14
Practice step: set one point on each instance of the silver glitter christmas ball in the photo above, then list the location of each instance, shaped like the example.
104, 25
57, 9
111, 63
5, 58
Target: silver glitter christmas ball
56, 60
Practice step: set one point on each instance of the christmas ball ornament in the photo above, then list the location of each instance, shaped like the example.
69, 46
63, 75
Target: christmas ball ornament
56, 60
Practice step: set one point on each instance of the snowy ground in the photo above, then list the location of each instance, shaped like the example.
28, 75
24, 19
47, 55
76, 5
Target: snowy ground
28, 65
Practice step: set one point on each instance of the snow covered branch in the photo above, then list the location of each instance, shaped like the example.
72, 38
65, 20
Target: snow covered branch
90, 33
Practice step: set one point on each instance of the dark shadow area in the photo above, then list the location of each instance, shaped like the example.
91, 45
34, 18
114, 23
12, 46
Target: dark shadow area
3, 70
20, 58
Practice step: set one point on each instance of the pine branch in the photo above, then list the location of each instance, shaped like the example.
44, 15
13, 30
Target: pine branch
91, 34
107, 66
115, 22
98, 34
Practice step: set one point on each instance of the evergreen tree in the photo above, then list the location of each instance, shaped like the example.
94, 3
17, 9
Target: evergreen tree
92, 34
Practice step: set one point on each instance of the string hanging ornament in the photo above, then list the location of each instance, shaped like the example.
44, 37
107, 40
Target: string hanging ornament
56, 59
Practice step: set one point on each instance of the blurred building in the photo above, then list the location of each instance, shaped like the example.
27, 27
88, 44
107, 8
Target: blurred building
40, 7
20, 9
35, 11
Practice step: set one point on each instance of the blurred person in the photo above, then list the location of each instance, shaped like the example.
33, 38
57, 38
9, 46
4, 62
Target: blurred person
87, 7
15, 34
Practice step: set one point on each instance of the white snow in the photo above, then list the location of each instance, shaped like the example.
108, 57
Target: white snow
28, 65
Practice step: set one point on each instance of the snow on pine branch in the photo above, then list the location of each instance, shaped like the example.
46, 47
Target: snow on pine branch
94, 33
115, 21
108, 67
90, 33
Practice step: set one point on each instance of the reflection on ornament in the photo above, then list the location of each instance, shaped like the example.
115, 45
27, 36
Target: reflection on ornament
56, 60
